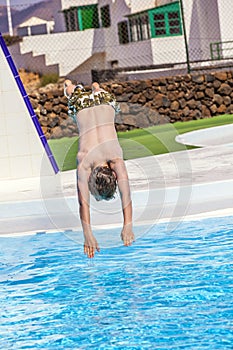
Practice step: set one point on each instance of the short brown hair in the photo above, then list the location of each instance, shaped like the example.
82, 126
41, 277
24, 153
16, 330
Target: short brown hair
102, 183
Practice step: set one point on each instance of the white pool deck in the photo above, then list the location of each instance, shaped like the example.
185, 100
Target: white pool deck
167, 188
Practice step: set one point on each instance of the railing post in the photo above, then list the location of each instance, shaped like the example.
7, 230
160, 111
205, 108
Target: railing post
185, 36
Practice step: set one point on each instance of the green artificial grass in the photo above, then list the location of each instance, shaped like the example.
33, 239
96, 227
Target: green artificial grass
138, 143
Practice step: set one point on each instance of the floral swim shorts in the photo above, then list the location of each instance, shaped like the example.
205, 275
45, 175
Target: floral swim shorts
81, 99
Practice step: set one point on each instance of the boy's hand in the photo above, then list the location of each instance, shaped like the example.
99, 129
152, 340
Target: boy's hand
127, 235
90, 245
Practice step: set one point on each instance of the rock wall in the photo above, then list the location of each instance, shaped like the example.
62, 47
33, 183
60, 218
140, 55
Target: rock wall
144, 103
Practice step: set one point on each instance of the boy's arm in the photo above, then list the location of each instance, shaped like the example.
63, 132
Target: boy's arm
118, 166
90, 243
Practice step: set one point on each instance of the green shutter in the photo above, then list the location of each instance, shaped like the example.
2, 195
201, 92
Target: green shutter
165, 20
88, 17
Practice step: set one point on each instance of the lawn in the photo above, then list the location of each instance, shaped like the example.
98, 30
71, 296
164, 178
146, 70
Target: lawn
139, 142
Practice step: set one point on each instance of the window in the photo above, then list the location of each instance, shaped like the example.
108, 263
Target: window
145, 29
81, 18
159, 24
165, 20
71, 19
134, 29
174, 23
105, 16
139, 27
123, 33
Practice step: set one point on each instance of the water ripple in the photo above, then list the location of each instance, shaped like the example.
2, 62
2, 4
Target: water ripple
167, 291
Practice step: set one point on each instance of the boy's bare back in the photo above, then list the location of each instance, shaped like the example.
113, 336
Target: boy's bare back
98, 142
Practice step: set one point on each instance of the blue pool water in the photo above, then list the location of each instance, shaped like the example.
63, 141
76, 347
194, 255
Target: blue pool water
170, 290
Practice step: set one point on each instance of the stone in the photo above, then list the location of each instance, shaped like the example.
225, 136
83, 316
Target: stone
52, 122
161, 100
48, 106
192, 104
229, 109
198, 79
124, 97
34, 103
224, 89
162, 89
222, 109
230, 82
122, 127
149, 94
118, 90
63, 100
213, 109
64, 108
57, 133
187, 78
209, 78
158, 100
189, 95
130, 120
218, 99
216, 84
186, 111
58, 93
44, 129
209, 92
153, 117
142, 120
226, 100
182, 102
142, 98
172, 96
199, 95
175, 106
43, 110
56, 101
222, 76
43, 121
135, 108
196, 114
43, 98
205, 112
57, 109
124, 107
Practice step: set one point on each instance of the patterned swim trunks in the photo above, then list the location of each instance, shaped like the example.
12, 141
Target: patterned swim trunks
81, 99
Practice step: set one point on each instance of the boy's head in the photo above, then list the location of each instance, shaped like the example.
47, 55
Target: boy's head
102, 183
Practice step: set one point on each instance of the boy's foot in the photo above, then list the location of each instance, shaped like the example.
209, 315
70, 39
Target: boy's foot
96, 87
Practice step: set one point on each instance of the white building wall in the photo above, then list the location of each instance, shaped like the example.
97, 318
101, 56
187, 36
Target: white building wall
202, 27
68, 49
141, 5
66, 4
118, 11
134, 54
168, 50
225, 8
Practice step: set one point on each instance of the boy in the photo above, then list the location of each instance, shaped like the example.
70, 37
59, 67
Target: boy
100, 160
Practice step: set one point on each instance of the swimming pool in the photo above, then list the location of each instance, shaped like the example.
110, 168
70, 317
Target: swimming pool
170, 290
